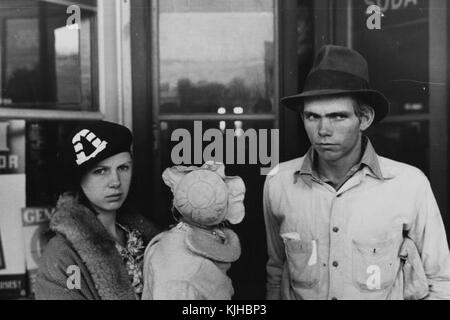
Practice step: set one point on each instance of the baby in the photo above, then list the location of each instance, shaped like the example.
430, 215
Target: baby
190, 261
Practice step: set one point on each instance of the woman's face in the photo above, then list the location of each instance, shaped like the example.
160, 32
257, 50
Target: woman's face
107, 184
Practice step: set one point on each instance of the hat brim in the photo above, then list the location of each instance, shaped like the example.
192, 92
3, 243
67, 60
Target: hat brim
236, 194
374, 98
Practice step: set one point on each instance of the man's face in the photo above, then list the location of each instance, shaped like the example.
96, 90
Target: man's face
333, 127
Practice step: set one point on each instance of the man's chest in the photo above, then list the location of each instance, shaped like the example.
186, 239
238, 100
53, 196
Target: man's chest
366, 213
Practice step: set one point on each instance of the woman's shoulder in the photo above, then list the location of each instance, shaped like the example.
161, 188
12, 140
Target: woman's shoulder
57, 265
56, 260
58, 249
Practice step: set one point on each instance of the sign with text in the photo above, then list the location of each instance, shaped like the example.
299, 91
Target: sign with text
12, 286
394, 12
12, 199
35, 223
12, 147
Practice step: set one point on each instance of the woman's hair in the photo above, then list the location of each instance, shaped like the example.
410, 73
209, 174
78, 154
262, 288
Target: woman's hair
83, 199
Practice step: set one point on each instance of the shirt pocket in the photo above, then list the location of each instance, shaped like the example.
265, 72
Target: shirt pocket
375, 265
303, 262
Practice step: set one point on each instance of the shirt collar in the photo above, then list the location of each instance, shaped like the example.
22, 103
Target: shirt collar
368, 159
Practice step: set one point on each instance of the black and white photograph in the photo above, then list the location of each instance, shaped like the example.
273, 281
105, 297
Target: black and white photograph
224, 150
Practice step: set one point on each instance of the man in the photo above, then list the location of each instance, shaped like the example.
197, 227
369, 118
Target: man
343, 222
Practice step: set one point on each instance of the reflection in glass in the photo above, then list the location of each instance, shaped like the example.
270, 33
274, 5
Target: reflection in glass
216, 54
44, 63
22, 57
248, 273
398, 54
67, 64
404, 141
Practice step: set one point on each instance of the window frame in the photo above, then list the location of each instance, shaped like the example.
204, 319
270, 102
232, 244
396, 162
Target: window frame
7, 111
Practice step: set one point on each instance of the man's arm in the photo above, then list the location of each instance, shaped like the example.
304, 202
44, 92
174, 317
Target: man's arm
56, 281
429, 234
275, 247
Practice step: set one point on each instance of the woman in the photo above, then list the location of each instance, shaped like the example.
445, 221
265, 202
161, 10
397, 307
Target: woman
97, 251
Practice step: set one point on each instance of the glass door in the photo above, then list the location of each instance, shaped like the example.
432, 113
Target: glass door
407, 59
215, 67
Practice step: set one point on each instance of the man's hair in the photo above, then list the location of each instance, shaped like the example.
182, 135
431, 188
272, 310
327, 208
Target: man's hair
360, 106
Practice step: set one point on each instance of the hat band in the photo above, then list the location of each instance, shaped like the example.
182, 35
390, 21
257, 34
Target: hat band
336, 80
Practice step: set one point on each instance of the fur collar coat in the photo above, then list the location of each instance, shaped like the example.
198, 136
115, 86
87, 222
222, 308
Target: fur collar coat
81, 260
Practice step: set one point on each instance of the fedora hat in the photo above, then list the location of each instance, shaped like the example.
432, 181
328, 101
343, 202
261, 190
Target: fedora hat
339, 70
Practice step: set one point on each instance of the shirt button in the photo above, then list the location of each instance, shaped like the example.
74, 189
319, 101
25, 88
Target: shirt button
335, 263
335, 229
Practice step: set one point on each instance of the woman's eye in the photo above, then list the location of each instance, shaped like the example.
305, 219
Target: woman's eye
99, 171
124, 168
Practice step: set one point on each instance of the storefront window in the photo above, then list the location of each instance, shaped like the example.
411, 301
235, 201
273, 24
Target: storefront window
216, 54
48, 60
405, 141
45, 61
397, 53
249, 271
216, 68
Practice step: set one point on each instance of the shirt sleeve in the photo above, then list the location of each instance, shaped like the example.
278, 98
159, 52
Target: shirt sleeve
429, 234
275, 247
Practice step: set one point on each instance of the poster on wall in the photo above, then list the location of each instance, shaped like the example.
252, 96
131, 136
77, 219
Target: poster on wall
36, 235
12, 199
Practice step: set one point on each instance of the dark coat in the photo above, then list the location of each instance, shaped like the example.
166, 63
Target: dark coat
82, 241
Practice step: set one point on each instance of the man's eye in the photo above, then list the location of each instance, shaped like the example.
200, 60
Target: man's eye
311, 117
339, 117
